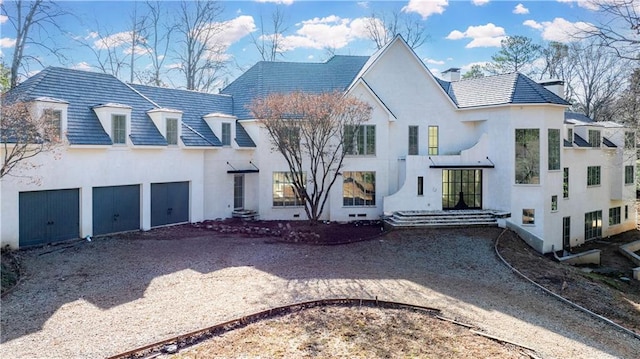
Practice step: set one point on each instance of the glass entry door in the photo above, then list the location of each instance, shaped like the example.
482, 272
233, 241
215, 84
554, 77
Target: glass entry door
238, 192
461, 189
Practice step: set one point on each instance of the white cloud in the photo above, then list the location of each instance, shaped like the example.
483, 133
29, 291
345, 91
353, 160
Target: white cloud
468, 66
480, 2
327, 32
488, 35
520, 10
111, 41
533, 24
426, 8
7, 42
82, 66
560, 29
433, 61
283, 2
587, 4
3, 19
363, 4
221, 35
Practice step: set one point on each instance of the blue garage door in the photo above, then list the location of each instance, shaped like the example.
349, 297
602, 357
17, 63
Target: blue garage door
169, 203
48, 216
116, 209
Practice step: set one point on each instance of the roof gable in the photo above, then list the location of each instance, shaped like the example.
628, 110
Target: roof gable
265, 78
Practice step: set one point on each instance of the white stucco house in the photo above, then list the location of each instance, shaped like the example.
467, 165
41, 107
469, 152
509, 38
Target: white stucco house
137, 157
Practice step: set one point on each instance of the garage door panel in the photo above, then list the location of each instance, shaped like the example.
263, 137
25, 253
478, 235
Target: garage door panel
116, 209
48, 216
169, 203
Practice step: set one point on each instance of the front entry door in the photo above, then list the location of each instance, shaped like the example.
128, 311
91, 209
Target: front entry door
238, 192
461, 189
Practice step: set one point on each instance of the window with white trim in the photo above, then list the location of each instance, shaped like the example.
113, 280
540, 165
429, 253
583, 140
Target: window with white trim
593, 176
284, 191
360, 140
358, 188
594, 138
119, 129
226, 134
172, 131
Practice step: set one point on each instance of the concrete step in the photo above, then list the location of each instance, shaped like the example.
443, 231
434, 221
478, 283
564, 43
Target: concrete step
434, 219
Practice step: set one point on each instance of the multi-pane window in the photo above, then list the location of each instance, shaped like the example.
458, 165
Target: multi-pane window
433, 140
528, 216
592, 225
554, 203
553, 142
119, 129
360, 140
594, 138
593, 175
413, 140
54, 119
359, 188
629, 140
420, 185
284, 191
570, 135
565, 182
172, 131
614, 216
629, 175
226, 134
527, 156
566, 230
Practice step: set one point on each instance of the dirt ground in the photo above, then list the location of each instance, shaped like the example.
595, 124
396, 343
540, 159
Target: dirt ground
347, 332
601, 290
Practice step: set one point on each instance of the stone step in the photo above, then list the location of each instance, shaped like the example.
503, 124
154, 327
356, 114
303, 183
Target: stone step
434, 219
442, 225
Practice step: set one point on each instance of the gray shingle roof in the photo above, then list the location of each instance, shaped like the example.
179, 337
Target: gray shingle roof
242, 137
581, 142
194, 105
575, 117
265, 78
513, 88
83, 90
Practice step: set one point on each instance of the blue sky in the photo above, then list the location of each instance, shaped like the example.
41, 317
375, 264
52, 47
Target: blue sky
461, 33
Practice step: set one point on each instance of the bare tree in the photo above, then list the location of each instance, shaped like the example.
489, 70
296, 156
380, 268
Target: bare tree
158, 34
310, 131
25, 17
5, 78
382, 28
24, 136
556, 60
619, 28
201, 57
269, 43
595, 80
628, 104
136, 41
517, 54
107, 49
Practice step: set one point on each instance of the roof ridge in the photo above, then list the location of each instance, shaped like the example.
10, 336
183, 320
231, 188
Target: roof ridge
178, 89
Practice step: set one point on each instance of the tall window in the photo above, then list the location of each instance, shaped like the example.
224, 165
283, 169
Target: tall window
594, 138
527, 156
614, 216
626, 212
359, 188
54, 117
565, 182
593, 175
553, 142
592, 225
566, 231
554, 203
433, 140
360, 140
629, 175
413, 140
172, 131
226, 134
570, 135
284, 192
119, 129
629, 140
420, 185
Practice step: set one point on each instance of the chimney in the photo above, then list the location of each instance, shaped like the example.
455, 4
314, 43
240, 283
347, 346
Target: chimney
554, 85
452, 74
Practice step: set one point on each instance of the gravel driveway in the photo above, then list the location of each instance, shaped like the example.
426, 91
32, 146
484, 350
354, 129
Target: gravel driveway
100, 298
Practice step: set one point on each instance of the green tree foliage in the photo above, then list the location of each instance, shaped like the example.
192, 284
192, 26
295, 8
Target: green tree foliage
517, 54
475, 72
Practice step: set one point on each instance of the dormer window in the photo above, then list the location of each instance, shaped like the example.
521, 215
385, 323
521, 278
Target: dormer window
53, 119
570, 134
119, 129
172, 131
226, 134
594, 138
